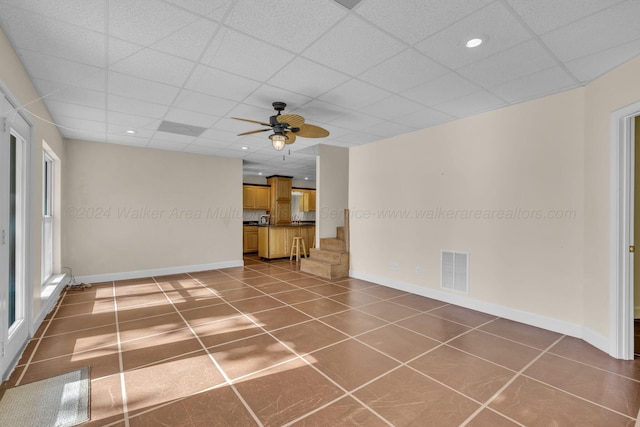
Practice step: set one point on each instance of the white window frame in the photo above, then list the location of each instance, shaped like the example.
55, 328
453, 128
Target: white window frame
48, 220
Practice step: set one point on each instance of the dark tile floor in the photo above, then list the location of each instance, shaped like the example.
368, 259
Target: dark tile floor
267, 345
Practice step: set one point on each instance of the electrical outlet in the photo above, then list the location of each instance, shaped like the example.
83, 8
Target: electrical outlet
418, 271
395, 266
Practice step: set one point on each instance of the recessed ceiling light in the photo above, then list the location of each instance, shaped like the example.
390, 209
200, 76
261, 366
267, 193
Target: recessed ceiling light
245, 148
306, 178
260, 173
131, 131
473, 43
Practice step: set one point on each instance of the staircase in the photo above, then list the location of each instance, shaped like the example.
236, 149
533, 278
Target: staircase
331, 260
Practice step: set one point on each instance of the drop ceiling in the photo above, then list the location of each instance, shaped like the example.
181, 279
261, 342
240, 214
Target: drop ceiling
364, 70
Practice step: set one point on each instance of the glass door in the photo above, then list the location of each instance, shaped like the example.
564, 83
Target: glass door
13, 238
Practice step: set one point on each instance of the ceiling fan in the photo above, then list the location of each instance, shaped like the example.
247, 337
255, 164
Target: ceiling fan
286, 127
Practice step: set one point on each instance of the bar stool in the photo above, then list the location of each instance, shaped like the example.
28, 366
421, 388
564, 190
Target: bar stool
295, 245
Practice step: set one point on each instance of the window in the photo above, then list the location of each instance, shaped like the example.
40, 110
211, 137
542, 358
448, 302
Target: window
47, 216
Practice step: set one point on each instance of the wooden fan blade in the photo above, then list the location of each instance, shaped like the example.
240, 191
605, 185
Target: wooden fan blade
291, 136
252, 121
311, 131
251, 132
294, 120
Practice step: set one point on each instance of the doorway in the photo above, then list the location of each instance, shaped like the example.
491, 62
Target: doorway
622, 247
15, 296
635, 131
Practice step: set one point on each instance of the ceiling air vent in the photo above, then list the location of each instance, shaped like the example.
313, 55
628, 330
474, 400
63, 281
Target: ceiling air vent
180, 128
349, 4
454, 272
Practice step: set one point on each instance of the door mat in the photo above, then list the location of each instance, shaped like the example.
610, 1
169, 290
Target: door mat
61, 401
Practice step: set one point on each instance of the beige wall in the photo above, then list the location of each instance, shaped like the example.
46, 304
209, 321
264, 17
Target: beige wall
15, 79
550, 154
485, 185
130, 209
332, 197
609, 93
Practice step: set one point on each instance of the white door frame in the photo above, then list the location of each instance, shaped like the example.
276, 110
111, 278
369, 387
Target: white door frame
622, 205
15, 338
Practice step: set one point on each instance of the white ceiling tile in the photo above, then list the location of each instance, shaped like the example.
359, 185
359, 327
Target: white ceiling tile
136, 107
130, 121
307, 77
70, 94
593, 66
88, 14
178, 115
159, 138
212, 9
544, 82
471, 104
120, 49
603, 30
125, 139
188, 42
494, 23
414, 20
218, 136
57, 70
518, 61
76, 111
199, 102
220, 83
357, 138
355, 94
246, 56
353, 47
322, 112
387, 129
155, 66
145, 22
291, 24
95, 129
546, 15
355, 121
265, 95
392, 107
54, 38
443, 89
424, 119
403, 71
142, 89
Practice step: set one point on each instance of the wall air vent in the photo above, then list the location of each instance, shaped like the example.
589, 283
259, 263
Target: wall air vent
454, 271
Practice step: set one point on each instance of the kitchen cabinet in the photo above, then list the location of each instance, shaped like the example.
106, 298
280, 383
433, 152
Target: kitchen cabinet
255, 197
309, 201
249, 238
275, 241
280, 199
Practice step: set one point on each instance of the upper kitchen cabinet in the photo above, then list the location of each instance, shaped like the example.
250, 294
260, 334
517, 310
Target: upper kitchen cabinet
280, 199
255, 197
308, 201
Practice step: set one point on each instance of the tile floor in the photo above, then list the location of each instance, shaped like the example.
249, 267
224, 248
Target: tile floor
266, 345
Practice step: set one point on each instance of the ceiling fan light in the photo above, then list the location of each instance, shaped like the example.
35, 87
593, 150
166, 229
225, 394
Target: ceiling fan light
278, 140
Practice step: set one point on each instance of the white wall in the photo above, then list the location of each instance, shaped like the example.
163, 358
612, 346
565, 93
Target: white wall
132, 211
332, 191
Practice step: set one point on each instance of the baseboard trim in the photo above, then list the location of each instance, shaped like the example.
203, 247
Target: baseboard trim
49, 296
110, 277
532, 319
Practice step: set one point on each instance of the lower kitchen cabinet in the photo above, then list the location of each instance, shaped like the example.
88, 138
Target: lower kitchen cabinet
249, 238
275, 241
